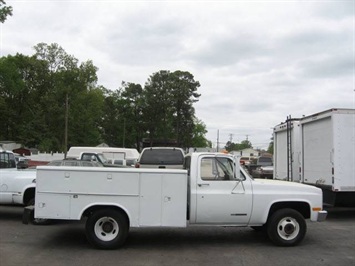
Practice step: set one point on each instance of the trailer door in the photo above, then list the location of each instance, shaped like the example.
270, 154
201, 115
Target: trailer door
317, 151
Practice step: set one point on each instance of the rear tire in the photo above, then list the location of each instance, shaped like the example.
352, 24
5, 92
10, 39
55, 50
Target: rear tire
107, 229
286, 227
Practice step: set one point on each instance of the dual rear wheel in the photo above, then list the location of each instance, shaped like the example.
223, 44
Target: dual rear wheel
107, 228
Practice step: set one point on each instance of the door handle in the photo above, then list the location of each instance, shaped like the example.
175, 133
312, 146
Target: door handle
203, 185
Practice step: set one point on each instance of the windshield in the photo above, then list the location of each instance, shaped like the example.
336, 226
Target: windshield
102, 158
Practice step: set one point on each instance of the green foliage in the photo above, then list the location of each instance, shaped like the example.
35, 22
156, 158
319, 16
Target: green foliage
270, 149
198, 138
4, 11
230, 146
34, 90
168, 106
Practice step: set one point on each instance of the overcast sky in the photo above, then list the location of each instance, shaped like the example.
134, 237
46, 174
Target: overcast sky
257, 61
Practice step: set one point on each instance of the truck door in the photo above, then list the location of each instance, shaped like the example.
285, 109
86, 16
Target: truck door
8, 171
220, 198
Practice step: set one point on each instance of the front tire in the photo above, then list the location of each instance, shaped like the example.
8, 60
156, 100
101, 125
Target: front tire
286, 227
107, 229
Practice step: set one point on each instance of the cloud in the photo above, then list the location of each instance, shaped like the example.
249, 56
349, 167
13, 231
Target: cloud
256, 61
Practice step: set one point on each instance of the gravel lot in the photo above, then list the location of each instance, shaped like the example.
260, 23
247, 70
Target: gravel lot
63, 243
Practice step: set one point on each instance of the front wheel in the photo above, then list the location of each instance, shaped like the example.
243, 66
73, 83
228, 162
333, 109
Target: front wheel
286, 227
107, 229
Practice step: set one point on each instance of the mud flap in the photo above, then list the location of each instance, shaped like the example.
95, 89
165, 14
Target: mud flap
28, 214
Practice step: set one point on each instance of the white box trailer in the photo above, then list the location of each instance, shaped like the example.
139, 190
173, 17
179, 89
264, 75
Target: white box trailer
322, 151
287, 150
328, 154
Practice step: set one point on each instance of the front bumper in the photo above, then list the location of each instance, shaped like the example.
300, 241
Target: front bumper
322, 215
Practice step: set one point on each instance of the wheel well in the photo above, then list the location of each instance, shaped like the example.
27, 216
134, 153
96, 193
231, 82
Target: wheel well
28, 195
89, 211
302, 207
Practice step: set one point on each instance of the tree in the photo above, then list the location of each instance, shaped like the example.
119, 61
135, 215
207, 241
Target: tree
198, 138
230, 146
113, 119
4, 11
70, 88
184, 95
37, 92
168, 106
22, 82
270, 149
132, 109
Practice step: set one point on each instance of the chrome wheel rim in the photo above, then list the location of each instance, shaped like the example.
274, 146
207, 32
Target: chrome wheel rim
288, 228
106, 229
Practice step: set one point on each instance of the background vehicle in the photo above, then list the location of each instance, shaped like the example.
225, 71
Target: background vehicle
161, 157
113, 155
17, 186
264, 172
21, 161
74, 163
211, 191
258, 162
245, 160
323, 154
287, 150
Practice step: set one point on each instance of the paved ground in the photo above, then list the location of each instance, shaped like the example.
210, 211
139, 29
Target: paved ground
329, 243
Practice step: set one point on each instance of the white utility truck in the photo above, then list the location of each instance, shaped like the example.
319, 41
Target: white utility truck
320, 152
212, 191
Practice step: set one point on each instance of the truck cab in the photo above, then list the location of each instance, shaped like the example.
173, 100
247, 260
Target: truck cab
217, 181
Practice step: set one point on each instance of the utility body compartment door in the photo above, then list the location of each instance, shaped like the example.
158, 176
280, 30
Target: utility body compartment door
163, 199
220, 198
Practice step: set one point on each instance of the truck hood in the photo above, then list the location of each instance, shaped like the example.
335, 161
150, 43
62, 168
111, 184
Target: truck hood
285, 186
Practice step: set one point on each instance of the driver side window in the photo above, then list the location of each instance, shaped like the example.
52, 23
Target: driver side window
213, 168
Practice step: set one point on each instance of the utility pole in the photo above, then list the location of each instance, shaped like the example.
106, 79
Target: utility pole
230, 138
124, 132
66, 125
217, 140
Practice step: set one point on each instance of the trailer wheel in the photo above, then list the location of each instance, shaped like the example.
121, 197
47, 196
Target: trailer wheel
107, 229
286, 227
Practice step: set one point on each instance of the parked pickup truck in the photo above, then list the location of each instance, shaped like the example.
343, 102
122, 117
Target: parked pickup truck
17, 186
213, 190
254, 167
